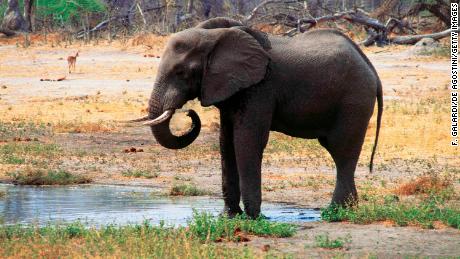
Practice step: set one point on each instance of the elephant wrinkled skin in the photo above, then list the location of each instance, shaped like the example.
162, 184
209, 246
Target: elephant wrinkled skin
316, 85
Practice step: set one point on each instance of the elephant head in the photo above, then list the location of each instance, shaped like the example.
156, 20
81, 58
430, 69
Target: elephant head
211, 62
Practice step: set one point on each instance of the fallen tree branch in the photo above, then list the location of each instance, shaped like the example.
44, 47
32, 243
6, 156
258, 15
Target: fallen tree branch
415, 38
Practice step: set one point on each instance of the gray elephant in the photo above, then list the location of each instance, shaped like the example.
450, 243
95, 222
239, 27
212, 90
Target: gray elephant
318, 85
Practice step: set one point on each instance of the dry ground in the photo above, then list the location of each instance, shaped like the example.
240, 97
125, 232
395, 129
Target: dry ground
113, 81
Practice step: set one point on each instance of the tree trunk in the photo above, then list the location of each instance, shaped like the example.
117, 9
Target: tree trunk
190, 7
28, 14
13, 20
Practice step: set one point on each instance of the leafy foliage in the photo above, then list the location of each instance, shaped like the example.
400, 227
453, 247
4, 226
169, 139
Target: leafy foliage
61, 11
65, 10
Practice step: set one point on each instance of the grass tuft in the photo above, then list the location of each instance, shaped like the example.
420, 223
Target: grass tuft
187, 190
324, 241
13, 160
139, 174
210, 228
423, 214
132, 241
197, 240
50, 177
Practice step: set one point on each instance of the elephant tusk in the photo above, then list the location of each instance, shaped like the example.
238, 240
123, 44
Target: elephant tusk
136, 120
166, 115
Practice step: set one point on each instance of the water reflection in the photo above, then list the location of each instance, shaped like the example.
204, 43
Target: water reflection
105, 204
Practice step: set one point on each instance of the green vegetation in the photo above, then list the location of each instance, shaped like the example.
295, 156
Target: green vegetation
13, 160
61, 11
2, 194
138, 241
424, 213
29, 148
182, 178
187, 190
209, 228
23, 130
324, 241
139, 174
51, 177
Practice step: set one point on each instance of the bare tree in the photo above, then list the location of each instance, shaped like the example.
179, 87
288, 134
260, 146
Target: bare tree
28, 14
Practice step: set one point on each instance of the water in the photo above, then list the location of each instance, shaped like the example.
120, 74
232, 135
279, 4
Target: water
106, 204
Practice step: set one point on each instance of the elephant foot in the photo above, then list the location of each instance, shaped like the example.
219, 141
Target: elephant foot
231, 213
348, 200
252, 213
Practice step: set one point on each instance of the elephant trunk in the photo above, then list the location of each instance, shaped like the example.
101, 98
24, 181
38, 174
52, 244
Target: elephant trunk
160, 124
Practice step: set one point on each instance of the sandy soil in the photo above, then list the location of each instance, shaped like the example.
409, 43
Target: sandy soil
113, 82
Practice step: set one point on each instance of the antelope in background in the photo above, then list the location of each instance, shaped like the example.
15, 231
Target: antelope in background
72, 60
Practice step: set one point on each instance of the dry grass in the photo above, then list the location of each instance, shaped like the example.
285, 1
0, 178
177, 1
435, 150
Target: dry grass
83, 127
425, 184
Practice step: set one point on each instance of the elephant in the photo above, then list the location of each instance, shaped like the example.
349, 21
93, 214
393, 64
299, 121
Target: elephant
317, 85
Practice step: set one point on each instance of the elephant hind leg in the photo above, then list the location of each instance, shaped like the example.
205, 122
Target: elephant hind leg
344, 143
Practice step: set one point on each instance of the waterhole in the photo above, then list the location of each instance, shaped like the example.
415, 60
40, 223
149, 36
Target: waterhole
106, 204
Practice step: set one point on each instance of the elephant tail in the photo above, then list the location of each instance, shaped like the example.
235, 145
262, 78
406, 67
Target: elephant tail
379, 120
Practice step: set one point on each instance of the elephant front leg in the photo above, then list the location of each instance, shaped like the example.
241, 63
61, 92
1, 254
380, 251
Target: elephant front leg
249, 143
230, 178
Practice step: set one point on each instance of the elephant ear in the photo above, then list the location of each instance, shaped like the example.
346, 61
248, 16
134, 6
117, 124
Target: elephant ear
236, 62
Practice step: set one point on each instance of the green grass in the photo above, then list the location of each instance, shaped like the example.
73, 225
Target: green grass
13, 160
139, 174
50, 177
424, 213
187, 190
324, 241
29, 148
209, 228
31, 130
197, 240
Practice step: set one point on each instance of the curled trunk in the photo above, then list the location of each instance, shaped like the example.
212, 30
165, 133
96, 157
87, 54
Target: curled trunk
162, 132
